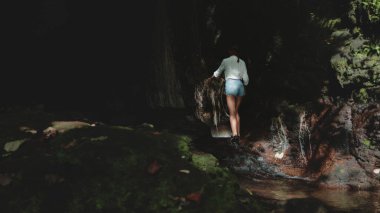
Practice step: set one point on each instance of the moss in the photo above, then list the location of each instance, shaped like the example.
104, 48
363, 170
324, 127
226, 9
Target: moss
362, 96
205, 162
367, 143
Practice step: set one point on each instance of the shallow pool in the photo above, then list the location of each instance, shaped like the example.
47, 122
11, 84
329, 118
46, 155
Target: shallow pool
279, 192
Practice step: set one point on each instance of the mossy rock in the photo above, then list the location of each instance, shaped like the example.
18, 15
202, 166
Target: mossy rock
205, 162
106, 169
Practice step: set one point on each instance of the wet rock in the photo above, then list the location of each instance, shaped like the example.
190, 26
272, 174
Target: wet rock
221, 131
49, 132
377, 154
345, 173
63, 126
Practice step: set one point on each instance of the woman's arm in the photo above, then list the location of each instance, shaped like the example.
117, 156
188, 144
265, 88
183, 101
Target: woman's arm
245, 75
220, 70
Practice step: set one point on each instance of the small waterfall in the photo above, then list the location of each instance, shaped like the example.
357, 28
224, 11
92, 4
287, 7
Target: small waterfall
215, 107
304, 135
280, 139
210, 105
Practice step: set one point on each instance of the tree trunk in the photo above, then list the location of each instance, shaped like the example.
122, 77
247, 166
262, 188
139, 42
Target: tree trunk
165, 88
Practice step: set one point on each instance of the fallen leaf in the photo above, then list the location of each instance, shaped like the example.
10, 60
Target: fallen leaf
195, 196
13, 145
184, 171
249, 191
28, 130
5, 180
156, 133
70, 144
154, 167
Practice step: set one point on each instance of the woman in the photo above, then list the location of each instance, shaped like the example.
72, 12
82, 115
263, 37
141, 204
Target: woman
235, 73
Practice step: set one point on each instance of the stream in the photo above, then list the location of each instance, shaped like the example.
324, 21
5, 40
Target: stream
269, 186
278, 192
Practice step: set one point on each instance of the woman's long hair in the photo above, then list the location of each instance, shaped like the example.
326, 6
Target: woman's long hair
234, 49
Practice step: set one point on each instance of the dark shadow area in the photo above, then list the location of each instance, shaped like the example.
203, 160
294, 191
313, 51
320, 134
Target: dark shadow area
81, 55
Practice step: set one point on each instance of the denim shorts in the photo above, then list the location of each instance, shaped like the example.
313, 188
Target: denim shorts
234, 87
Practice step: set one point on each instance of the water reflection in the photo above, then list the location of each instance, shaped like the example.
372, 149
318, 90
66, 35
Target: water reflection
279, 191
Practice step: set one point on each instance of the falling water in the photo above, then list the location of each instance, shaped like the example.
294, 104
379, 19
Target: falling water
279, 139
210, 105
303, 134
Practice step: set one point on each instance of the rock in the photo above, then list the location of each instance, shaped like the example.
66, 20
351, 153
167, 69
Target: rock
221, 131
63, 126
205, 162
50, 132
279, 155
345, 173
377, 154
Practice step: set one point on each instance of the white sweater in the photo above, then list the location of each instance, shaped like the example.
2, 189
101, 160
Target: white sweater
233, 69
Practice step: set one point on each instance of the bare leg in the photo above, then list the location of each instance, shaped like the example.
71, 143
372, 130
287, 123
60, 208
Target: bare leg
231, 103
238, 102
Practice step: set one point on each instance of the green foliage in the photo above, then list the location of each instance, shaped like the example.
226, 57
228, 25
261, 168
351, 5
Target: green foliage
372, 8
183, 146
367, 143
358, 63
325, 23
371, 49
363, 96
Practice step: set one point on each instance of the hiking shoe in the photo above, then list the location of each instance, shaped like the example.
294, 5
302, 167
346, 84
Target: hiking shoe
234, 141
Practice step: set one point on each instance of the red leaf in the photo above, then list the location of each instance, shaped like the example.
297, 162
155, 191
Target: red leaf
154, 167
195, 196
156, 133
